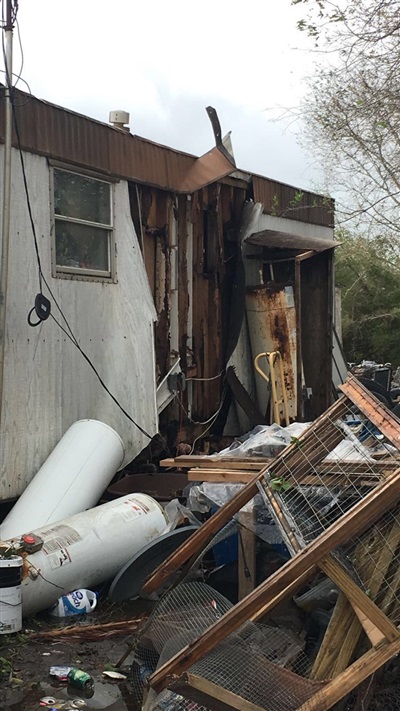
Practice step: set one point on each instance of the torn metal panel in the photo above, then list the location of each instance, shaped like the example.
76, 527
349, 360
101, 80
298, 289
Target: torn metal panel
208, 169
285, 240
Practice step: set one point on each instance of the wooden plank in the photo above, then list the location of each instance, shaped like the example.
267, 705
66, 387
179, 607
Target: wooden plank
358, 598
242, 476
255, 464
246, 554
348, 680
357, 519
356, 468
220, 476
243, 399
341, 620
191, 462
212, 696
372, 569
377, 413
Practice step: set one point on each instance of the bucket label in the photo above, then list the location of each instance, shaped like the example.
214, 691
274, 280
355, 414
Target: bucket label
58, 538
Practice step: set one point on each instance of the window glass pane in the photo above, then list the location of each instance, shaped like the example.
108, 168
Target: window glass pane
81, 197
81, 246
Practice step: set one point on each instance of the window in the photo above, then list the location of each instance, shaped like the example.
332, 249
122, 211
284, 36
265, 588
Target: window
83, 245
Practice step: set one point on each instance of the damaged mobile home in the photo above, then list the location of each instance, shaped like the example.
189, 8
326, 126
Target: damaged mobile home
164, 269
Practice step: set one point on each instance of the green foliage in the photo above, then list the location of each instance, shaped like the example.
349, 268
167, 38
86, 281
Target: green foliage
279, 485
368, 272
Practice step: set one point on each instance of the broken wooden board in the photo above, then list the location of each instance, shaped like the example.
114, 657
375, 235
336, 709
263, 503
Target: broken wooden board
191, 461
242, 476
349, 679
220, 476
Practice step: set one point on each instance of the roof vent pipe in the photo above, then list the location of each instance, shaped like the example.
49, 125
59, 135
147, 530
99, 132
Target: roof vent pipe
119, 119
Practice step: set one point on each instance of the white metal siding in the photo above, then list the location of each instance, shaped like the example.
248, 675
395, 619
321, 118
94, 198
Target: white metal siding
48, 385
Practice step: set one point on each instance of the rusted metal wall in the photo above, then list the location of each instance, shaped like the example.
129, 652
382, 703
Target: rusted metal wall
209, 220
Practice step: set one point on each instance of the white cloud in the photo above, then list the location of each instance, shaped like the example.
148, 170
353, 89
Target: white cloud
165, 61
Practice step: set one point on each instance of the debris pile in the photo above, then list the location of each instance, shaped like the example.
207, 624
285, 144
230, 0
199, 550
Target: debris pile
339, 517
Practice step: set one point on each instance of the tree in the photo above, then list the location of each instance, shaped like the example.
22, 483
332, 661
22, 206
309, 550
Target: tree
352, 113
368, 272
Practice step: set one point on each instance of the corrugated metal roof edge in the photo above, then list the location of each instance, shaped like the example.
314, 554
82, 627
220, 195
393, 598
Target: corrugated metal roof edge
148, 142
106, 125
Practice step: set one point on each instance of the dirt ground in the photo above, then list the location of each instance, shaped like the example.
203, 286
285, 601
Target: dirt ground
26, 658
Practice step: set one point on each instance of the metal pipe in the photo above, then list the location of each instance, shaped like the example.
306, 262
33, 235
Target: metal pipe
5, 232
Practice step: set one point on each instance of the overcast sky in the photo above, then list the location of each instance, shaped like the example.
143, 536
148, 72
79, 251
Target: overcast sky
164, 61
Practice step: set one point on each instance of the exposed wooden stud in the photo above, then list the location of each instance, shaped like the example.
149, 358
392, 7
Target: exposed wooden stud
246, 554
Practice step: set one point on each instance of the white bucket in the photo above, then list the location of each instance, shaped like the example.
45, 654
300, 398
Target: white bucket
71, 479
10, 594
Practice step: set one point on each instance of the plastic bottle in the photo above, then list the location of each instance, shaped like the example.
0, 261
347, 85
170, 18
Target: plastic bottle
77, 602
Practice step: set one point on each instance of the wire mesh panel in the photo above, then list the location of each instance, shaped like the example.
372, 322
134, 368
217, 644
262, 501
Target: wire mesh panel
336, 467
256, 663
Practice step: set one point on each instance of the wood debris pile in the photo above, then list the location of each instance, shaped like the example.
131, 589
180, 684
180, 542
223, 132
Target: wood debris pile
338, 518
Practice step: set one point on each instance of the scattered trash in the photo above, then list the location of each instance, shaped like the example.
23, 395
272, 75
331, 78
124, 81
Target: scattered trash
114, 675
61, 704
73, 676
77, 602
60, 673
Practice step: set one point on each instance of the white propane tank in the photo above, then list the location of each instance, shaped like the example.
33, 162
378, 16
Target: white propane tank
88, 548
71, 479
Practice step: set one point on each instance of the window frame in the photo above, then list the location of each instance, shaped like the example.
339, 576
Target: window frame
77, 273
